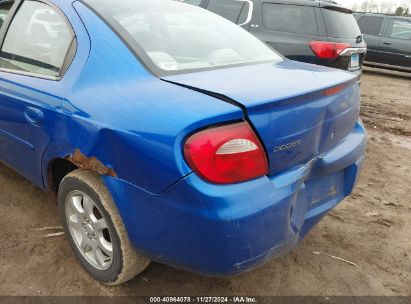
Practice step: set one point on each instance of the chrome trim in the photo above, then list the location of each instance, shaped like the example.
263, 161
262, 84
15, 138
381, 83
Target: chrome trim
350, 51
250, 11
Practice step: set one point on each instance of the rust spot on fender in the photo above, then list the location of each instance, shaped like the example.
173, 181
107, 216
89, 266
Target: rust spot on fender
91, 164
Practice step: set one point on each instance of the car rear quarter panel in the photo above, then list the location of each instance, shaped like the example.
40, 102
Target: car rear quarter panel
133, 123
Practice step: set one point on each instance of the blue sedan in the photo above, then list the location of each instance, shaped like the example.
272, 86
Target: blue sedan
170, 134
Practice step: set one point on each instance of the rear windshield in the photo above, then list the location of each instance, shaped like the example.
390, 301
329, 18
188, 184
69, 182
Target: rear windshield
175, 36
340, 24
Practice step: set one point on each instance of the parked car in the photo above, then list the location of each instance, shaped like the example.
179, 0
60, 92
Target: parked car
319, 32
171, 134
388, 39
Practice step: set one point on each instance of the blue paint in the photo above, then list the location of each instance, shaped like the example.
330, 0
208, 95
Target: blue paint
225, 230
109, 106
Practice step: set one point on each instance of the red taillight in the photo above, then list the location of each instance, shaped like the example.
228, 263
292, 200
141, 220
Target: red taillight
226, 154
328, 50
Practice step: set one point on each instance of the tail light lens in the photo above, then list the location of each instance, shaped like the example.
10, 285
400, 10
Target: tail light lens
328, 50
335, 90
226, 154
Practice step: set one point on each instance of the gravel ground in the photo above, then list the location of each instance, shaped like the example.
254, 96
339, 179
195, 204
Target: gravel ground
371, 228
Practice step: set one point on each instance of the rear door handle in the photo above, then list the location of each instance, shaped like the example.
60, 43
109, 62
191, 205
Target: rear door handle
34, 116
387, 42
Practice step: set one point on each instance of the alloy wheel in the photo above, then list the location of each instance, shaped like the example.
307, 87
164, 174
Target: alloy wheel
89, 230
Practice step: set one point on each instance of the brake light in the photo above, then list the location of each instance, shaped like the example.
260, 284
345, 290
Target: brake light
226, 154
328, 50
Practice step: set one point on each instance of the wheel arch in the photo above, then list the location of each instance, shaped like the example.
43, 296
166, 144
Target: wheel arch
57, 169
60, 159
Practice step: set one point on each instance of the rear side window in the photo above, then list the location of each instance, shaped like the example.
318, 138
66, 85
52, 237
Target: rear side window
400, 29
371, 25
4, 11
37, 40
290, 18
340, 24
234, 10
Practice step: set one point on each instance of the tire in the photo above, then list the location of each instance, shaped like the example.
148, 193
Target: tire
95, 230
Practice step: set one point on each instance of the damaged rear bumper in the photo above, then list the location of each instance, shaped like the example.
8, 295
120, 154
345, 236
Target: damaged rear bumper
225, 230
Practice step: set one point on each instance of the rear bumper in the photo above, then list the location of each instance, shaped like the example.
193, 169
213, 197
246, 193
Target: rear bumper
225, 230
357, 73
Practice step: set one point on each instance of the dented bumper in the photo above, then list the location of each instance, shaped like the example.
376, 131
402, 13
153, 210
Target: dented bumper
225, 230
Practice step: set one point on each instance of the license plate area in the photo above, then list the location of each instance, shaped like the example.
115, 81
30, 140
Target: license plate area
323, 189
355, 61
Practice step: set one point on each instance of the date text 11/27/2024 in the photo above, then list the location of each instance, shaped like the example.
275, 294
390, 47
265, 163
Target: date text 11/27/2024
203, 300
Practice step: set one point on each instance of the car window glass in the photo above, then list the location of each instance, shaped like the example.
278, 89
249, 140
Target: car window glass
371, 25
400, 29
193, 2
172, 36
4, 11
244, 14
234, 10
37, 40
340, 24
290, 18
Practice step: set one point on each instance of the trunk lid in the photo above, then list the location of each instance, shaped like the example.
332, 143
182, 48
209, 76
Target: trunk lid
287, 105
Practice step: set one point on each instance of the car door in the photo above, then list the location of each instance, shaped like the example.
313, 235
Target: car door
395, 44
36, 44
372, 27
